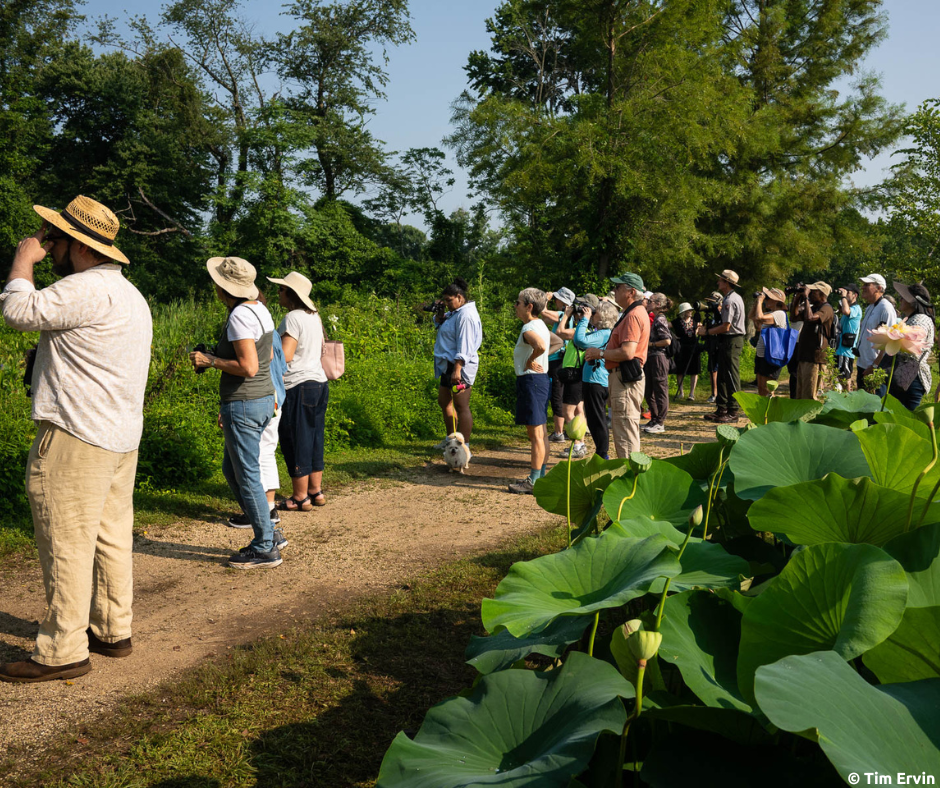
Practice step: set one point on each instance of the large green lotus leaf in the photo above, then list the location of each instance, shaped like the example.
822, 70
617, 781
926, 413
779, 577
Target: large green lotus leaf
700, 637
905, 418
834, 509
896, 456
888, 729
779, 455
700, 462
840, 410
764, 410
847, 598
919, 553
664, 494
731, 723
502, 650
912, 651
517, 729
598, 573
706, 565
588, 478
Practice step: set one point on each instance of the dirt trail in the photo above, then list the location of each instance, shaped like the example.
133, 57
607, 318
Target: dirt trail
189, 605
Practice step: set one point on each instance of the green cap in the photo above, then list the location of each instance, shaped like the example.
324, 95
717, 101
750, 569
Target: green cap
632, 280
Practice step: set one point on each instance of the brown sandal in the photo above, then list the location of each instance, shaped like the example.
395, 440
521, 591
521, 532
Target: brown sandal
303, 505
317, 498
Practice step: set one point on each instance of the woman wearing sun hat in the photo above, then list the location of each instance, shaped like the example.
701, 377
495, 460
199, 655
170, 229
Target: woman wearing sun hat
308, 393
689, 357
243, 356
769, 309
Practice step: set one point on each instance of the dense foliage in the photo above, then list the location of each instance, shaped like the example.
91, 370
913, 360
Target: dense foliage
782, 590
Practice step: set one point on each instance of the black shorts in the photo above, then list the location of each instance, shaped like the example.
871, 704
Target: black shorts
765, 369
558, 389
572, 393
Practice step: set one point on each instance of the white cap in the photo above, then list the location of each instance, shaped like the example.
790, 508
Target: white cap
648, 294
874, 279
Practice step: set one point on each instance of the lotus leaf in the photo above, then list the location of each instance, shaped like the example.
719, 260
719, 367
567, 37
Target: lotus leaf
500, 651
739, 726
700, 462
764, 410
888, 729
919, 553
896, 456
905, 418
517, 729
834, 509
840, 410
664, 495
588, 479
700, 637
847, 598
598, 573
780, 455
912, 651
706, 565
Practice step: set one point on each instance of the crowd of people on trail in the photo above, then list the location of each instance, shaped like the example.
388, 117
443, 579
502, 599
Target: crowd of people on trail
599, 357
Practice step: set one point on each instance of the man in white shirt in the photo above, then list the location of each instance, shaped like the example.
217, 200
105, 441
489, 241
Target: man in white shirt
879, 312
88, 391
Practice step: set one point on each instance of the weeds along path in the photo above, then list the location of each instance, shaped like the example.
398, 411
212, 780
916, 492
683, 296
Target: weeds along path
189, 605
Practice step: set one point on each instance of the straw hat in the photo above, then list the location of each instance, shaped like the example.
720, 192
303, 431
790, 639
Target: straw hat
300, 285
234, 275
729, 276
87, 221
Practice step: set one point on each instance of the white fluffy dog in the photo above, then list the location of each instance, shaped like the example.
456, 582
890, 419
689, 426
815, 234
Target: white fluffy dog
456, 452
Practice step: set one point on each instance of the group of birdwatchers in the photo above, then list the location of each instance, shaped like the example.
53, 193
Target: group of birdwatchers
577, 354
601, 357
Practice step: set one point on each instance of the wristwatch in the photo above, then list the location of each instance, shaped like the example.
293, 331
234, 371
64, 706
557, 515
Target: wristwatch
602, 352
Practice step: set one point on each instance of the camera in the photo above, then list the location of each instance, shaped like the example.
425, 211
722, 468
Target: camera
758, 294
203, 348
437, 307
706, 306
798, 288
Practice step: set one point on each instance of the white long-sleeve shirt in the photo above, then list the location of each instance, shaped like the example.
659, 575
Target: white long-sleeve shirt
93, 356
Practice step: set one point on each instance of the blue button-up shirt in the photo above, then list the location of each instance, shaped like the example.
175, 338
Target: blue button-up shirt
458, 339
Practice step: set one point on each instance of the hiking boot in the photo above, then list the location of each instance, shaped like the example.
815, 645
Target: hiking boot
280, 541
253, 558
29, 672
557, 437
118, 649
522, 488
728, 418
718, 414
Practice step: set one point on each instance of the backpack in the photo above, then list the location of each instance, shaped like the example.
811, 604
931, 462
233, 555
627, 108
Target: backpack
572, 365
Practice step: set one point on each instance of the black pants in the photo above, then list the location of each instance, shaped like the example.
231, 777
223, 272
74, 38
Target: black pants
558, 408
656, 370
729, 371
595, 413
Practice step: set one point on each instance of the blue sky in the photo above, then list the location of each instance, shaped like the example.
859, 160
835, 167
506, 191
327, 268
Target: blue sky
426, 76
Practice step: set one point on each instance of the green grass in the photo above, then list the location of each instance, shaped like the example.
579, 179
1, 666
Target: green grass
314, 706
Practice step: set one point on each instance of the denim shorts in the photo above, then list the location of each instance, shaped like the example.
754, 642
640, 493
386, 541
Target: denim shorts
302, 425
532, 395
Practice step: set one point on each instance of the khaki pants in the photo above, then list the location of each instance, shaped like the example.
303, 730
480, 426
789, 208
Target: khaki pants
807, 379
82, 502
625, 402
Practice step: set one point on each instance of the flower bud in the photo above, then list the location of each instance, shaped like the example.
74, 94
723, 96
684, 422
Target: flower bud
644, 645
577, 428
772, 385
695, 519
632, 626
640, 462
928, 414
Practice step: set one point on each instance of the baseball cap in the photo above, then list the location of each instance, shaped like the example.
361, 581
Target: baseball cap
591, 300
874, 279
630, 279
564, 295
852, 287
822, 287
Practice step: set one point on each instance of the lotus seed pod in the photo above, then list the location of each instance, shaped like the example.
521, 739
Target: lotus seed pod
695, 519
640, 462
772, 385
928, 414
644, 645
633, 625
727, 435
577, 428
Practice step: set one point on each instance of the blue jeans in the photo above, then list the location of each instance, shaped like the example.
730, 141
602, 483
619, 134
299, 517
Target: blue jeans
911, 398
243, 421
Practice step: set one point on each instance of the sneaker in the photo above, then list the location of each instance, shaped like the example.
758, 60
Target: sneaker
654, 429
239, 520
711, 399
557, 437
280, 541
439, 446
522, 488
253, 558
275, 517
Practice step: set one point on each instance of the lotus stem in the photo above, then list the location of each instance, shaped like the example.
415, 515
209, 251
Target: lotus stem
636, 478
568, 495
712, 487
597, 620
662, 598
923, 473
884, 399
641, 673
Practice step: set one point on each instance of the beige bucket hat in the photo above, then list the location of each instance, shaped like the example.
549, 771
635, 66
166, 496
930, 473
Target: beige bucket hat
299, 284
234, 275
88, 221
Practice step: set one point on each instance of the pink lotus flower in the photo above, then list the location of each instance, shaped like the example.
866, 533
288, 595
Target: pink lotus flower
898, 337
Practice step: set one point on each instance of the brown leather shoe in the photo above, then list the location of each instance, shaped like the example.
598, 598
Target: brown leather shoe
728, 418
121, 648
29, 672
718, 414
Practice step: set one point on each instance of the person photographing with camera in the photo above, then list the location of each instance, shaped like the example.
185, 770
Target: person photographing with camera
561, 324
456, 359
818, 318
730, 335
850, 320
89, 379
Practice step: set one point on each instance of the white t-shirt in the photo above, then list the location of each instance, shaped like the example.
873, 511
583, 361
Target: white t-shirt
307, 363
523, 349
249, 321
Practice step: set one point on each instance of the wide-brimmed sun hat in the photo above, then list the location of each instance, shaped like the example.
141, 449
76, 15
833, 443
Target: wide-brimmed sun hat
299, 284
729, 276
905, 292
234, 275
90, 222
685, 306
775, 293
